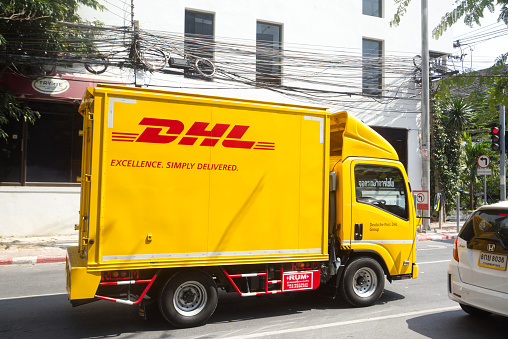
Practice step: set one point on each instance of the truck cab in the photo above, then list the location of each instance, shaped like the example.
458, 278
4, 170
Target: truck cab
375, 216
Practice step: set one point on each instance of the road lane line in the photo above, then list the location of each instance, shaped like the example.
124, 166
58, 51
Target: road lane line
343, 323
432, 262
33, 296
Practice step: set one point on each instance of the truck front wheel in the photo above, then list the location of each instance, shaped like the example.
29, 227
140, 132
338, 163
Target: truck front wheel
188, 298
363, 282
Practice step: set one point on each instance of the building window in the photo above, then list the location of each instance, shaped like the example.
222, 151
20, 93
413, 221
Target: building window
199, 34
372, 8
372, 67
268, 53
48, 151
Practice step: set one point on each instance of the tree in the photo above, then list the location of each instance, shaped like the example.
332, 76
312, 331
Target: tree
472, 150
451, 118
471, 11
29, 36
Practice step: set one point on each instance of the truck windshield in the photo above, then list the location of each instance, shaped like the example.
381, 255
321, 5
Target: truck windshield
383, 187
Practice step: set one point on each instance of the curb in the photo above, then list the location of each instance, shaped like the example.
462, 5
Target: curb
33, 260
425, 237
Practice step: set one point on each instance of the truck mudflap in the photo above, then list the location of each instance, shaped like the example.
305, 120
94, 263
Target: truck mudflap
149, 283
290, 281
81, 284
412, 275
416, 270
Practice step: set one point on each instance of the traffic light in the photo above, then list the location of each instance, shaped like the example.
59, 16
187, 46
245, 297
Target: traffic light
495, 133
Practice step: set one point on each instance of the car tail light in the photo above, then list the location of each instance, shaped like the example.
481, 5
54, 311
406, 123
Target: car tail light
455, 251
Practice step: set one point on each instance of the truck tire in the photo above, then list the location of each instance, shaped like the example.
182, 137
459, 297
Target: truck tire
188, 299
363, 282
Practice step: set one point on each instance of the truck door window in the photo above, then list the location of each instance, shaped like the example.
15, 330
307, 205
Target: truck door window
383, 187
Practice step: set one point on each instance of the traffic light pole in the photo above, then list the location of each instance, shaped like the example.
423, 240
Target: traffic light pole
502, 165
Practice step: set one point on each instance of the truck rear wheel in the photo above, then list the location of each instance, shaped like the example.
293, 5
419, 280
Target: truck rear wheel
188, 298
363, 282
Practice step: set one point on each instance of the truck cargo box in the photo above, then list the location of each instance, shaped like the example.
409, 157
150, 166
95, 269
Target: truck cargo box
174, 180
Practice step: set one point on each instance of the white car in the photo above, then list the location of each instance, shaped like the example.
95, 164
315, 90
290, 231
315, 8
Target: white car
477, 276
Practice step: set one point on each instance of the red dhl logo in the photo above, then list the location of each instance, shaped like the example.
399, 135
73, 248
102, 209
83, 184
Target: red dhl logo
165, 131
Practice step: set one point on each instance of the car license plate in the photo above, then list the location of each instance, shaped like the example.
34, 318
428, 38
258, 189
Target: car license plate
492, 260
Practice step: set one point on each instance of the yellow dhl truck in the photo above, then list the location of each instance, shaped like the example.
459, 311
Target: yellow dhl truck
184, 194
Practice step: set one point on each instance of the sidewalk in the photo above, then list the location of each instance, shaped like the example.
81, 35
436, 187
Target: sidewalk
448, 231
36, 250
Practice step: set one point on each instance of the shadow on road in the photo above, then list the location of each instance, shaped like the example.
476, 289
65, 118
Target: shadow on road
458, 324
53, 316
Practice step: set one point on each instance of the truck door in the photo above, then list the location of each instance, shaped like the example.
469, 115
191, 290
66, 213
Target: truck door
381, 216
85, 180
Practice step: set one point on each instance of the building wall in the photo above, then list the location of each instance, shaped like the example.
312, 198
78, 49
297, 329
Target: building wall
310, 26
34, 211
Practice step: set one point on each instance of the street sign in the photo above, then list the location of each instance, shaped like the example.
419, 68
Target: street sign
422, 200
484, 171
483, 161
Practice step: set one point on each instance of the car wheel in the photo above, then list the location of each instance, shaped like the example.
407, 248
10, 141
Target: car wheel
476, 312
188, 298
363, 282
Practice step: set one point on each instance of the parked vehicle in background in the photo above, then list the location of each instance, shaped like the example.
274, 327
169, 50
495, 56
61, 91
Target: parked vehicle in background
477, 277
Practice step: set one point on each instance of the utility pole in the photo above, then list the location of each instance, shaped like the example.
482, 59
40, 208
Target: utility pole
135, 37
425, 109
132, 15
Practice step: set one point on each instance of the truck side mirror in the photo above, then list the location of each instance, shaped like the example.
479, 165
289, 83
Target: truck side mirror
437, 202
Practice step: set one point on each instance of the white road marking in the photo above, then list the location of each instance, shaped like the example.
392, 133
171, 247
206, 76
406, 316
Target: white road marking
343, 323
32, 296
433, 262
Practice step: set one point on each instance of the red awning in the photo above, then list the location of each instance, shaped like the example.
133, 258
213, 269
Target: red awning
61, 86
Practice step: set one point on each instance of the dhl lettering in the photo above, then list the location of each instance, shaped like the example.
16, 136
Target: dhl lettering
172, 165
136, 163
165, 131
180, 165
237, 133
217, 167
152, 134
198, 129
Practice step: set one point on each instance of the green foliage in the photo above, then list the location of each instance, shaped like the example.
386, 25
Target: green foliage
21, 20
10, 109
472, 150
471, 10
458, 113
446, 151
401, 10
488, 87
29, 36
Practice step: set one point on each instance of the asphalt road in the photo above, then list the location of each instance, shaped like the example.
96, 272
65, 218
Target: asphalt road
34, 304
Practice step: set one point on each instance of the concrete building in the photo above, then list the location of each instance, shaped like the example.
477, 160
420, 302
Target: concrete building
342, 55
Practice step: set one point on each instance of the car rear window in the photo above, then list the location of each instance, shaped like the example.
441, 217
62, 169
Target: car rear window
487, 224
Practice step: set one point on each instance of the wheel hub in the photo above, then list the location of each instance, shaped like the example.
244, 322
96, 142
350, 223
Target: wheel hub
364, 282
190, 298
